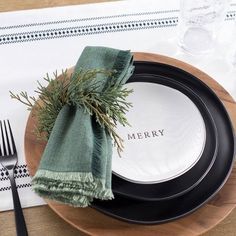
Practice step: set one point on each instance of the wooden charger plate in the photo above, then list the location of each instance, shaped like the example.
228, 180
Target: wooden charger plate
92, 222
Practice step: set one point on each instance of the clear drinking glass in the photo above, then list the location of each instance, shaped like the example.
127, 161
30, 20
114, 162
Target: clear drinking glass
199, 22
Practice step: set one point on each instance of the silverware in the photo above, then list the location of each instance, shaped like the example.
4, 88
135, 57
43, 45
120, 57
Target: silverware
8, 159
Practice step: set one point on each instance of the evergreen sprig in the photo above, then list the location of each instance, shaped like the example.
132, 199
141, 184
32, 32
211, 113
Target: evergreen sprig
106, 100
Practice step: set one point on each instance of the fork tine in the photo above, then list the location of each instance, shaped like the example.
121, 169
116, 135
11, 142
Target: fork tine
12, 139
3, 141
7, 138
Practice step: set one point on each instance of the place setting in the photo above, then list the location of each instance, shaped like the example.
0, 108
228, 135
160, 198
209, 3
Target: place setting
191, 175
125, 140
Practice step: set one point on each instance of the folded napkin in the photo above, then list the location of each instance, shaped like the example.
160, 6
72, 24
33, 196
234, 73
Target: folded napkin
76, 165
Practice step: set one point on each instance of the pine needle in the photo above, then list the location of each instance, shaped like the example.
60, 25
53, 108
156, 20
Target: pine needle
108, 105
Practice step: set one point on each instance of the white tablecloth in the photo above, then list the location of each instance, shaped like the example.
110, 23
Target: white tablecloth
36, 42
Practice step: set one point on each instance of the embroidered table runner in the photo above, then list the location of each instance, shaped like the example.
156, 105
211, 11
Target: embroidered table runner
36, 42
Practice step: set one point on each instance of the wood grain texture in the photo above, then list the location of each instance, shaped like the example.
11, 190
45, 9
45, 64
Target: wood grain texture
14, 5
91, 222
40, 221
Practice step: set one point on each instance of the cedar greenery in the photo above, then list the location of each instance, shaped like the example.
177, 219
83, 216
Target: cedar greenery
108, 105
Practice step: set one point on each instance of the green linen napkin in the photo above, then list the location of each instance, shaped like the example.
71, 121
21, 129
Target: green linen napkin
76, 165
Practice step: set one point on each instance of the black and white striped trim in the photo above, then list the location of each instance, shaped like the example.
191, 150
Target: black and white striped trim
18, 186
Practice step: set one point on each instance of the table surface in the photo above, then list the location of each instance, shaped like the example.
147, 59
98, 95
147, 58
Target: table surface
42, 219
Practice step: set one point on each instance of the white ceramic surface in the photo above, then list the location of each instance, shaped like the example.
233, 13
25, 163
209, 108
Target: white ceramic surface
166, 138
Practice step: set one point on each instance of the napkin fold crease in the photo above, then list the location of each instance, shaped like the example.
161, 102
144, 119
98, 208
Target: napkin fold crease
76, 164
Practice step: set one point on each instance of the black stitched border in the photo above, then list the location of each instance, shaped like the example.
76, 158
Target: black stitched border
230, 14
87, 19
94, 29
20, 171
17, 167
18, 186
87, 30
16, 176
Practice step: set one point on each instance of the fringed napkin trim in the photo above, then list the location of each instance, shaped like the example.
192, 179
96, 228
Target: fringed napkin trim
79, 201
74, 188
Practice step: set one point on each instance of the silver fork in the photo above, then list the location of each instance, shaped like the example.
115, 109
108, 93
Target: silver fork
8, 159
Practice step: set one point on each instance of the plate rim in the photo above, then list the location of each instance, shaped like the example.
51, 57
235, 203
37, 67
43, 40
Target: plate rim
191, 92
210, 164
224, 179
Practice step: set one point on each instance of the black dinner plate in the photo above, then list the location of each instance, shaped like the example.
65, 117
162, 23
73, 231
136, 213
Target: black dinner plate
190, 179
154, 212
